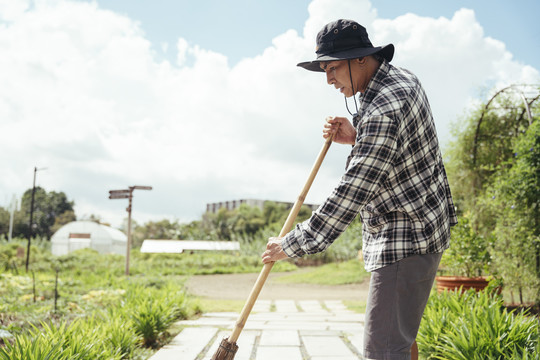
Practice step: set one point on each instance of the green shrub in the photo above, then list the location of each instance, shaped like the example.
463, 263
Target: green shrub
345, 247
152, 310
100, 315
150, 320
60, 342
473, 326
468, 254
29, 348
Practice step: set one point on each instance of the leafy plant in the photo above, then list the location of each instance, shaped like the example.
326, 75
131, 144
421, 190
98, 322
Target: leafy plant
60, 342
475, 326
468, 254
514, 200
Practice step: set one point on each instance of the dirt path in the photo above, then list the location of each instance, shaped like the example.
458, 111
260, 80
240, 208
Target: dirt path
238, 287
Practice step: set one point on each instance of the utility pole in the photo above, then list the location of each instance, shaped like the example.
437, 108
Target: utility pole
127, 194
31, 229
11, 217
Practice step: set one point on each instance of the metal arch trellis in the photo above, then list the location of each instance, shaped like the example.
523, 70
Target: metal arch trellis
527, 102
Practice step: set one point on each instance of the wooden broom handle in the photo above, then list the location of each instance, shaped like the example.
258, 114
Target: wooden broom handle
241, 322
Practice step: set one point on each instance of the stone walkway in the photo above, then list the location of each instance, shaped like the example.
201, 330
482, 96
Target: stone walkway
276, 329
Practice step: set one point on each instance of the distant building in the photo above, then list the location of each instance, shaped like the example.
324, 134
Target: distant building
235, 204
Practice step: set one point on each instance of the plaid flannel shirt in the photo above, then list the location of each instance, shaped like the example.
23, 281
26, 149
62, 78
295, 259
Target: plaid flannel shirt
395, 179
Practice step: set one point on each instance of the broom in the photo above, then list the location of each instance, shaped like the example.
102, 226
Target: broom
227, 348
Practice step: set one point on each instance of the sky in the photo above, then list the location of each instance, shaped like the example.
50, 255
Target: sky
203, 101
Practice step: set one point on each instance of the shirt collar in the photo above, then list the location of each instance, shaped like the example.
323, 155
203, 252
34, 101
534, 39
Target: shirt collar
375, 83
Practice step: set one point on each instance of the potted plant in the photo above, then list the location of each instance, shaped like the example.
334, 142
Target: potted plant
467, 260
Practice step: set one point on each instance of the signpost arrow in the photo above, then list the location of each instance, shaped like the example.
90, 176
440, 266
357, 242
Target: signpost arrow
127, 194
119, 196
139, 187
112, 192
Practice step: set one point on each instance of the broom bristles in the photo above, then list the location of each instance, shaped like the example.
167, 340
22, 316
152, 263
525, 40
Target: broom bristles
226, 350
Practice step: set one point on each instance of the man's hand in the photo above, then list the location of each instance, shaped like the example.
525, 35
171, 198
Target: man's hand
274, 251
344, 131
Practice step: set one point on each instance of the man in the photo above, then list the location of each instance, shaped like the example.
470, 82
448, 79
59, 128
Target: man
395, 180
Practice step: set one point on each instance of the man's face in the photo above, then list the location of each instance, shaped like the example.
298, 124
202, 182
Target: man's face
337, 74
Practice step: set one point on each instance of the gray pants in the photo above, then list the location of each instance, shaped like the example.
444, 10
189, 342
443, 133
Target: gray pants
397, 296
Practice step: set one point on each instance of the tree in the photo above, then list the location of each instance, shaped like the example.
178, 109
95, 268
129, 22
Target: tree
482, 147
274, 212
247, 220
163, 230
493, 169
217, 225
48, 206
513, 197
4, 221
65, 218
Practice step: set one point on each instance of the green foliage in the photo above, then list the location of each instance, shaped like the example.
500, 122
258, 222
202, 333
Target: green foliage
164, 229
338, 273
48, 206
77, 341
101, 314
472, 326
468, 254
245, 221
4, 221
482, 145
494, 171
345, 247
151, 318
51, 210
201, 263
513, 198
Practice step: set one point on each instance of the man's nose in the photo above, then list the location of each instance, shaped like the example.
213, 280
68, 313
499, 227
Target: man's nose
330, 77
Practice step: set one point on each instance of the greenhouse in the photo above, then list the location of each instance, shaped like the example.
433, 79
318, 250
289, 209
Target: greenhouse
88, 234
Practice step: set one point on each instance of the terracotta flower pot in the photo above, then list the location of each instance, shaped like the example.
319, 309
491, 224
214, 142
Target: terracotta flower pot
463, 282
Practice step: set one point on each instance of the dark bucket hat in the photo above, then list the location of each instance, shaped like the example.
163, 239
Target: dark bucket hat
342, 40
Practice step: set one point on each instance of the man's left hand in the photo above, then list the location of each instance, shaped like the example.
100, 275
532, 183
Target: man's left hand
274, 251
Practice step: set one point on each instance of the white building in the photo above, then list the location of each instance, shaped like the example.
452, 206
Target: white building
235, 204
88, 234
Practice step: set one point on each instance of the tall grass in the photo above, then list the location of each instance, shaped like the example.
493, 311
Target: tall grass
101, 313
345, 247
476, 326
114, 324
348, 272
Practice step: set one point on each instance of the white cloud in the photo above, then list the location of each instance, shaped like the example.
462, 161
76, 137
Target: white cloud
454, 60
86, 97
11, 9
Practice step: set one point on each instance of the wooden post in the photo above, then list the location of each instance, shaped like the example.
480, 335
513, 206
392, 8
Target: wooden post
128, 246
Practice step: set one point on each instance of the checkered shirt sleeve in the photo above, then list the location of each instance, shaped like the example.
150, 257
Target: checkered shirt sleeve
394, 179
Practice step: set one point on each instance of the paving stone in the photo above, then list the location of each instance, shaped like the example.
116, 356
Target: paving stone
278, 353
334, 357
262, 306
254, 325
348, 327
245, 343
329, 346
186, 345
274, 335
295, 325
335, 305
268, 316
217, 322
312, 306
319, 333
279, 338
357, 340
285, 306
